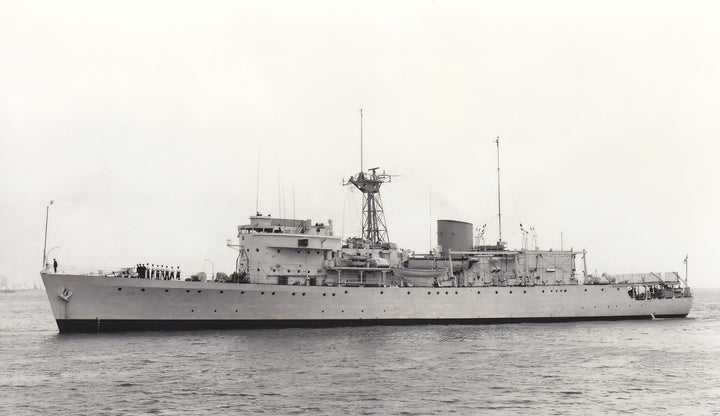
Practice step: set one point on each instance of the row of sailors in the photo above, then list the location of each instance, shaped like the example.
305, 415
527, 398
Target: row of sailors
152, 271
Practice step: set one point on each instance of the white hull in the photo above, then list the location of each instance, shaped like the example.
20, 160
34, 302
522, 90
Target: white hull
98, 303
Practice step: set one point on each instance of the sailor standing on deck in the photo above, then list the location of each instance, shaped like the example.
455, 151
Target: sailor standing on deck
55, 265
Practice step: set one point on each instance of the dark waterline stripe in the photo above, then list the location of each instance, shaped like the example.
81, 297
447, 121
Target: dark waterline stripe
122, 325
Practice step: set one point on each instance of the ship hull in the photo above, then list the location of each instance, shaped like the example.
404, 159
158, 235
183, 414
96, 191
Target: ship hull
113, 304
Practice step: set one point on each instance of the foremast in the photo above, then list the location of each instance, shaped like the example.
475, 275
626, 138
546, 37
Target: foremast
374, 228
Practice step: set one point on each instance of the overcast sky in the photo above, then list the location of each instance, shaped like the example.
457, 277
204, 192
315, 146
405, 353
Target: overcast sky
144, 121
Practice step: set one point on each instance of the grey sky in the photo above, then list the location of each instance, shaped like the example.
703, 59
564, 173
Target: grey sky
144, 121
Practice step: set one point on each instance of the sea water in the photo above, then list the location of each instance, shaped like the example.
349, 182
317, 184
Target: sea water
649, 367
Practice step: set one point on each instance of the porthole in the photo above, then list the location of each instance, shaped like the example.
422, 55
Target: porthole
293, 293
456, 292
496, 292
543, 291
242, 292
142, 290
586, 290
524, 291
362, 310
303, 294
478, 292
381, 292
257, 250
235, 310
273, 293
408, 293
214, 310
602, 290
333, 294
222, 291
192, 310
446, 293
187, 291
511, 291
166, 290
322, 311
119, 288
618, 289
262, 293
346, 292
428, 293
342, 311
324, 294
438, 293
565, 290
278, 250
199, 291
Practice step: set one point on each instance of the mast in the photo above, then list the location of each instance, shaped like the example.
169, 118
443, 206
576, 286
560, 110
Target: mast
374, 230
497, 142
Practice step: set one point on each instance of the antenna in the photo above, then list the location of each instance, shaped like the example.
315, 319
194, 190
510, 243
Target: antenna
294, 217
430, 210
277, 159
430, 206
497, 141
361, 143
257, 188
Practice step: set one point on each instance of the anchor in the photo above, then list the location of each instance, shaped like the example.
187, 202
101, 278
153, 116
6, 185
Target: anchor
65, 294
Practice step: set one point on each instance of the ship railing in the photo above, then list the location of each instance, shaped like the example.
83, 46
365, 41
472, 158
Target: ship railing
669, 278
107, 271
90, 270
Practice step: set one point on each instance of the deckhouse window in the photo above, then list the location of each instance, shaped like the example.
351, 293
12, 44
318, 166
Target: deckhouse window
302, 242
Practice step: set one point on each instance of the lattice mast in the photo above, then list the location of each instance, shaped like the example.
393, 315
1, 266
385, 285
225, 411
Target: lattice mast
374, 230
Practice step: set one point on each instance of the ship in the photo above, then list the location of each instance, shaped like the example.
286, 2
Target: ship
299, 273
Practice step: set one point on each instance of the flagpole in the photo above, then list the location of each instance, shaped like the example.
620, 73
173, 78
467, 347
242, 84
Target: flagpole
47, 213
